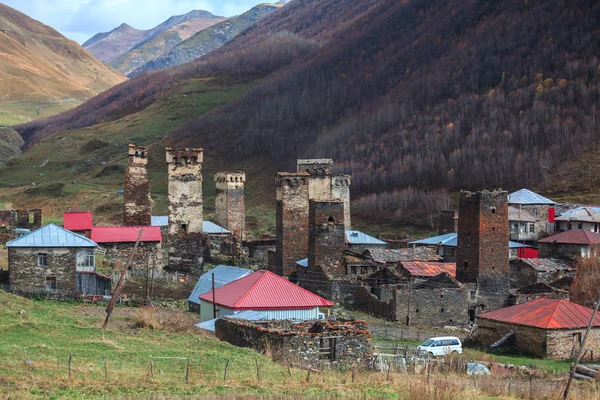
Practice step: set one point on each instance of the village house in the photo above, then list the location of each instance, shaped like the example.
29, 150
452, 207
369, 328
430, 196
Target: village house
587, 218
529, 271
358, 242
78, 222
550, 328
570, 244
541, 208
522, 225
329, 344
416, 271
266, 292
53, 259
221, 275
118, 242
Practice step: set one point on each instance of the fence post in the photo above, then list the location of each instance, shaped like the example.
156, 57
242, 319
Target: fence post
27, 362
257, 369
225, 372
70, 364
418, 340
401, 335
151, 367
396, 349
530, 385
105, 369
187, 370
428, 370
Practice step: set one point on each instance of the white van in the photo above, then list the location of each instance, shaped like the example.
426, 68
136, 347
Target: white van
440, 346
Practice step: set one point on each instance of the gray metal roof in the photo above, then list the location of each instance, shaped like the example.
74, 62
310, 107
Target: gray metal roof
357, 237
302, 263
526, 196
51, 236
207, 226
583, 214
248, 315
224, 274
451, 240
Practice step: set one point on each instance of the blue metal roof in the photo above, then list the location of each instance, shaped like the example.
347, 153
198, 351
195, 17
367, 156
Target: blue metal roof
302, 263
248, 315
451, 240
526, 196
223, 275
357, 237
51, 236
207, 226
594, 208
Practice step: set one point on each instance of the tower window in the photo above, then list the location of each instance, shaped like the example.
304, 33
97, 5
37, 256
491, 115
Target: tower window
442, 309
184, 227
330, 220
493, 210
466, 265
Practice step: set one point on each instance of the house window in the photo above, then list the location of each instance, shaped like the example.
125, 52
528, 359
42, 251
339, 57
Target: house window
569, 227
577, 338
531, 228
184, 227
50, 283
327, 349
85, 259
579, 226
353, 269
42, 260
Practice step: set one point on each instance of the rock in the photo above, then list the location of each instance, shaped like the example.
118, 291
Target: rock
477, 369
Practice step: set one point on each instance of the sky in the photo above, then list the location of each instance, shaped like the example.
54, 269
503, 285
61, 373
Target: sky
79, 20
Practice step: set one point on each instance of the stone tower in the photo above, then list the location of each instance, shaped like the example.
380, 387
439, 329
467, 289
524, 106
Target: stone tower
185, 208
291, 220
230, 211
326, 237
320, 177
482, 254
137, 208
340, 189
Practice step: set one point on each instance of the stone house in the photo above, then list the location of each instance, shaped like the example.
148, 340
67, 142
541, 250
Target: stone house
118, 241
329, 343
540, 207
528, 271
550, 328
537, 291
358, 242
53, 259
587, 218
571, 244
522, 225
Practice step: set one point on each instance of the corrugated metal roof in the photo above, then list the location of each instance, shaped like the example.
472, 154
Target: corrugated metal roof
573, 236
526, 196
223, 275
125, 234
422, 268
451, 240
545, 313
77, 221
207, 226
357, 237
581, 214
515, 214
265, 290
302, 263
51, 236
248, 315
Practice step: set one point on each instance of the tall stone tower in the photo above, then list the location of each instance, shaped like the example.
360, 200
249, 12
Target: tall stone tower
230, 211
340, 189
482, 254
326, 236
137, 208
319, 170
185, 208
291, 220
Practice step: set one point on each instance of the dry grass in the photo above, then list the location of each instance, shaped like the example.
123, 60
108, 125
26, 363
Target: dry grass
170, 321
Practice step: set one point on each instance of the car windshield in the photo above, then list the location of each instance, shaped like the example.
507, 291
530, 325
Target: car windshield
427, 343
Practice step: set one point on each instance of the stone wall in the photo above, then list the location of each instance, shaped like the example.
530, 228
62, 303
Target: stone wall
338, 344
137, 208
230, 211
291, 221
185, 208
522, 274
528, 340
340, 189
326, 237
559, 250
540, 212
369, 304
29, 218
122, 252
561, 344
26, 275
319, 187
432, 306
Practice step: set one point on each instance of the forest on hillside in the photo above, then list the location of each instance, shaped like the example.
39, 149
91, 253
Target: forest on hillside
412, 98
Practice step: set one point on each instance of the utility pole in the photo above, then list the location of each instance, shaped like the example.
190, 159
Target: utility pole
581, 347
213, 296
117, 292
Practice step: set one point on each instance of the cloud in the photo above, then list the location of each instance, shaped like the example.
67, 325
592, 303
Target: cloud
81, 19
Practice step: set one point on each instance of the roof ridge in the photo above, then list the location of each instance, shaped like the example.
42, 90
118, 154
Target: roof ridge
251, 287
553, 314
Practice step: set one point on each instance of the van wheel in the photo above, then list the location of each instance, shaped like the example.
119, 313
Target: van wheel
454, 352
430, 354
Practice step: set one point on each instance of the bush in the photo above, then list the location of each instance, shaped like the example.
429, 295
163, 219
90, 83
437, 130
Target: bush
170, 321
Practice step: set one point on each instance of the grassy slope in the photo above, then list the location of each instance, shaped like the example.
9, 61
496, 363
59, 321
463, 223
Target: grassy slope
84, 168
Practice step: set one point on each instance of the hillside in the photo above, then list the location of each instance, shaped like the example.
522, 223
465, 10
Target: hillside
108, 46
43, 72
204, 41
160, 43
414, 99
10, 143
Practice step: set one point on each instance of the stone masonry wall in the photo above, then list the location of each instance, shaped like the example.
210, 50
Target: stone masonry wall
563, 343
558, 250
29, 218
291, 221
432, 306
326, 237
528, 340
122, 252
340, 189
540, 212
26, 275
230, 211
137, 208
319, 187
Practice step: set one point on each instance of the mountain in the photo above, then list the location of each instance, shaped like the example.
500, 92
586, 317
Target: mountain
109, 46
43, 72
415, 99
204, 41
160, 43
10, 143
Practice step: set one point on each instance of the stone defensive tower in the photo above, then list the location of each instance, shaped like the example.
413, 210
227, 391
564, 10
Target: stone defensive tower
340, 189
230, 211
292, 220
137, 209
482, 254
326, 237
319, 170
185, 234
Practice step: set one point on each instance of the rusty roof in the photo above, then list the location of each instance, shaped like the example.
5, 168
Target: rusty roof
548, 264
545, 313
424, 268
573, 236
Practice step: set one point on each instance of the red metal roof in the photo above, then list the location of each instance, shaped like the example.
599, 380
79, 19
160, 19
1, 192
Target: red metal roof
423, 268
573, 236
545, 313
263, 290
125, 234
77, 221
